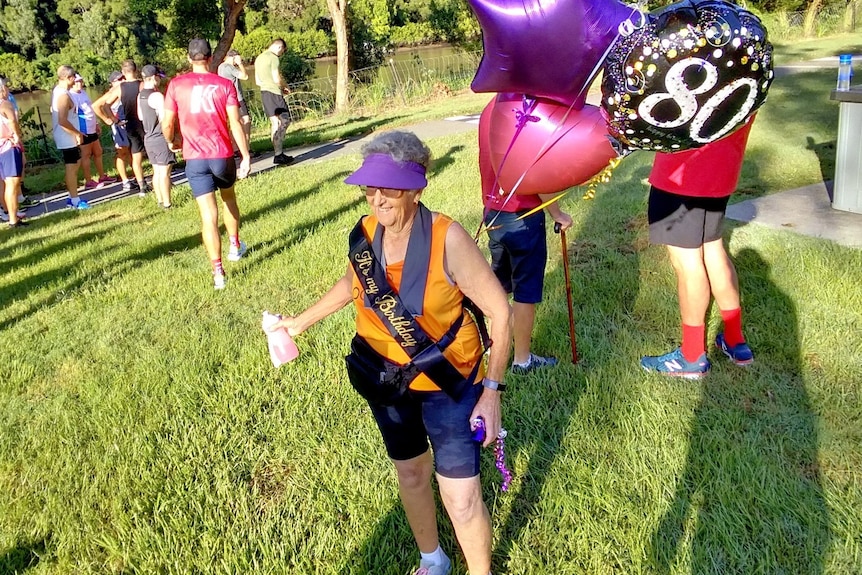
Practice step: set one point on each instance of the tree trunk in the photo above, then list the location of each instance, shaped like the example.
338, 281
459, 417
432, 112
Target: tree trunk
809, 24
338, 11
232, 11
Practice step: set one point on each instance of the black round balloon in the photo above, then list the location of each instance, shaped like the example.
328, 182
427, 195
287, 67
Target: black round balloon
686, 75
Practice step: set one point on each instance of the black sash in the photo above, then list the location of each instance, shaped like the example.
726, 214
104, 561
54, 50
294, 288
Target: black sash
388, 380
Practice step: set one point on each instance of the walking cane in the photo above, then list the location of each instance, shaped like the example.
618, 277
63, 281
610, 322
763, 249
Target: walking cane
558, 229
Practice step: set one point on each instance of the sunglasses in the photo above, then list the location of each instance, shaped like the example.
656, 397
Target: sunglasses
385, 192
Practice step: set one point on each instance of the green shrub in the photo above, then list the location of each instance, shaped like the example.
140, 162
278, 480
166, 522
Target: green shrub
17, 71
310, 43
413, 34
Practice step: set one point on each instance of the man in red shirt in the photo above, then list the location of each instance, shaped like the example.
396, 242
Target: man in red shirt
687, 201
205, 105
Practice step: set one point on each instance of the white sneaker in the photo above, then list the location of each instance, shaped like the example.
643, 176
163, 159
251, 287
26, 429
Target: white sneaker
4, 217
219, 281
235, 253
432, 569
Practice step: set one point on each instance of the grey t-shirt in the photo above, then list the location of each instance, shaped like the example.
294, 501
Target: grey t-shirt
229, 71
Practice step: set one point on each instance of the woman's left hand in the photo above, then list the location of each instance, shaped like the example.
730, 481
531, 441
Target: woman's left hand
488, 407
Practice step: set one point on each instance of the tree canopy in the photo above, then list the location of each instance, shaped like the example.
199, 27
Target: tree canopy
94, 36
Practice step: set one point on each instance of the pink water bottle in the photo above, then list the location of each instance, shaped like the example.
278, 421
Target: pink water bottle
281, 346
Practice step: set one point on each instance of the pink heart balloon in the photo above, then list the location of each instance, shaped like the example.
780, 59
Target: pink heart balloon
543, 147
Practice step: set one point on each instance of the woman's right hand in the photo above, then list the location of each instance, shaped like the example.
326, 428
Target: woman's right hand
290, 324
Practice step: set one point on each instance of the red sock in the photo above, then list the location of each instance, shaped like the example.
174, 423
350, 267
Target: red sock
234, 241
732, 326
217, 267
692, 341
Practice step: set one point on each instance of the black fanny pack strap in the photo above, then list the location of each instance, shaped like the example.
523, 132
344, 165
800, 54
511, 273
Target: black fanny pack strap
426, 355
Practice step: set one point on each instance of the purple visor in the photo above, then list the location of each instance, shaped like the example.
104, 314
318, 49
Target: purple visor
381, 171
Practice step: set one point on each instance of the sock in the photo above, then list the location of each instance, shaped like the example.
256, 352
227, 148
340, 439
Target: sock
75, 201
526, 363
218, 270
234, 241
692, 341
436, 557
732, 326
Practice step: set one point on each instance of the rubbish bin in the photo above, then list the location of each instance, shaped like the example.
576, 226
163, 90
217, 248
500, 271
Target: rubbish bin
847, 192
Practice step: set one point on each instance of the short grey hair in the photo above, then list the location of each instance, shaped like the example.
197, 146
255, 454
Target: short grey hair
401, 146
65, 71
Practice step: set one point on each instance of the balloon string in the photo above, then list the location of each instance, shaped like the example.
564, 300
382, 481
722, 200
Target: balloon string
522, 118
549, 141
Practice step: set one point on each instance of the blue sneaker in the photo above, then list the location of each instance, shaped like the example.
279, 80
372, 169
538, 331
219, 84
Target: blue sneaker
675, 364
535, 362
82, 204
740, 354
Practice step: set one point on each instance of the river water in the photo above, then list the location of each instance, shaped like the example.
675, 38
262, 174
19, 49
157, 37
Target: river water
324, 75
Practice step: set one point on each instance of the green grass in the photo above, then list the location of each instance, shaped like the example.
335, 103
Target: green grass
143, 429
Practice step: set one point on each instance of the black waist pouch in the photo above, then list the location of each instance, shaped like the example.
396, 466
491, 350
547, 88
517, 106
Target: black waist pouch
373, 376
383, 382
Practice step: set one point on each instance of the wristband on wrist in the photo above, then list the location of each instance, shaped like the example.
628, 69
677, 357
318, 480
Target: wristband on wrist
495, 385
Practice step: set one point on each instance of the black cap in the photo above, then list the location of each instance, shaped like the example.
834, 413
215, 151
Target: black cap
199, 49
115, 75
149, 71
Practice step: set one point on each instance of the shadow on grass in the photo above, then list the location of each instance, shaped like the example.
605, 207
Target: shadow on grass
750, 498
603, 263
825, 152
22, 558
68, 278
391, 548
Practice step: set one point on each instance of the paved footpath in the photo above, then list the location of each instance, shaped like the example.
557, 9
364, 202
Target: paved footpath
805, 210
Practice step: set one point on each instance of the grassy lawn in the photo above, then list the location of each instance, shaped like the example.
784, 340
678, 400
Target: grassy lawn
143, 429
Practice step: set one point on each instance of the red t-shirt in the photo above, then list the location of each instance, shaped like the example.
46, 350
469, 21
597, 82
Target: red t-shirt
711, 171
200, 102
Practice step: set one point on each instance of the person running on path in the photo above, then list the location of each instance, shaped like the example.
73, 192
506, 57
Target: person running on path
125, 91
11, 157
151, 105
272, 89
687, 201
89, 125
207, 109
233, 69
67, 136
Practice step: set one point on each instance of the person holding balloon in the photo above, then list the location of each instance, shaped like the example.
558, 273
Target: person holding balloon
417, 356
687, 201
519, 250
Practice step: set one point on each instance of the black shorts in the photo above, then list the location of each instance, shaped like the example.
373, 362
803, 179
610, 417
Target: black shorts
243, 109
273, 104
417, 417
205, 175
519, 251
71, 155
684, 221
136, 139
90, 139
158, 151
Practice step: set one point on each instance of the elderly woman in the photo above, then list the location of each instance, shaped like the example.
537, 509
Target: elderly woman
409, 273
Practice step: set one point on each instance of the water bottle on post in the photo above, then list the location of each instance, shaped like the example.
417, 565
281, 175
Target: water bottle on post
281, 346
845, 72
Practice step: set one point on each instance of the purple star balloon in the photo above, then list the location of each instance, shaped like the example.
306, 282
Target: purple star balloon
547, 48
